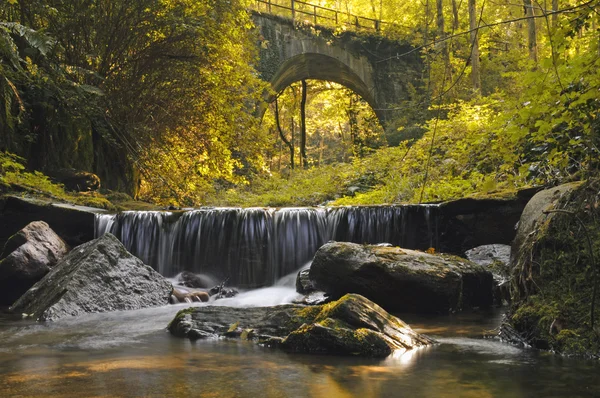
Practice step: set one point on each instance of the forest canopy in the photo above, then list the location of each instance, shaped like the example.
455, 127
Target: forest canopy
166, 87
159, 98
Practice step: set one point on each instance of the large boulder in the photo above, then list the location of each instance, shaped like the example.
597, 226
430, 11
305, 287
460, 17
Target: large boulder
555, 273
98, 276
352, 325
27, 256
74, 224
401, 280
535, 216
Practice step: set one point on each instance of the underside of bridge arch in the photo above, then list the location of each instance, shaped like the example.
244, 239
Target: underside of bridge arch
322, 67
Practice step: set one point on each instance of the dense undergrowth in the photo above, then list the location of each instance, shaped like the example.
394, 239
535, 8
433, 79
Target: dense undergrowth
15, 179
483, 146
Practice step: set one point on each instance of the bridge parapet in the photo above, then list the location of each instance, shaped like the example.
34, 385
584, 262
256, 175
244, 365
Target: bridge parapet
303, 12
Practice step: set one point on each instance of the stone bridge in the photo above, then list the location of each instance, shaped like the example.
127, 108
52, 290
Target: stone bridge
368, 64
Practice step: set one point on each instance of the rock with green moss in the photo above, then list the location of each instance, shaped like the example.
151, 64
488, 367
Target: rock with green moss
555, 271
352, 325
402, 280
98, 276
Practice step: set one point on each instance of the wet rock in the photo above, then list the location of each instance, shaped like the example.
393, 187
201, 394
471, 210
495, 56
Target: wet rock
303, 283
352, 325
27, 256
98, 276
488, 255
185, 296
304, 286
220, 291
496, 259
189, 279
313, 298
401, 280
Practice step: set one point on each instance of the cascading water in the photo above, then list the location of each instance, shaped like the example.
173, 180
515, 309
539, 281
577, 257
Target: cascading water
254, 247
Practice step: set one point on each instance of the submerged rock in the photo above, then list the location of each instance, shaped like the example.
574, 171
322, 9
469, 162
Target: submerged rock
28, 255
98, 276
352, 325
401, 280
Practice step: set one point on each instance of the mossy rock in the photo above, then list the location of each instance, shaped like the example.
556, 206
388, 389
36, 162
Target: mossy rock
353, 325
401, 280
554, 274
329, 338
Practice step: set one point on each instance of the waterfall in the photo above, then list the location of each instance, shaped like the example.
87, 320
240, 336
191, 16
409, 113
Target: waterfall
256, 246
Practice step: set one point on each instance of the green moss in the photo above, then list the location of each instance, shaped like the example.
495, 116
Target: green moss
306, 315
15, 179
555, 277
334, 336
180, 314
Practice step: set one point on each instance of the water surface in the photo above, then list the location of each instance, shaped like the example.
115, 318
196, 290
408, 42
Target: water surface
131, 354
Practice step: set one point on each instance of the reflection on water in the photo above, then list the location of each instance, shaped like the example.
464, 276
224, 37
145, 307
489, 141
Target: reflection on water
131, 354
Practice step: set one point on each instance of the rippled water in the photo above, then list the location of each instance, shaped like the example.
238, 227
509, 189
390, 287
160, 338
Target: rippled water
131, 354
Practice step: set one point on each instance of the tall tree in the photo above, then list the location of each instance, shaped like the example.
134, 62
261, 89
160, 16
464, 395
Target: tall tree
475, 69
531, 30
288, 143
303, 126
454, 15
442, 35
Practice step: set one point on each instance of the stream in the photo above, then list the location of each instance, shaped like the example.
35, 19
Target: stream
131, 354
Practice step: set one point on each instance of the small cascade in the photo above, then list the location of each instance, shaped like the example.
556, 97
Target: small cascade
255, 247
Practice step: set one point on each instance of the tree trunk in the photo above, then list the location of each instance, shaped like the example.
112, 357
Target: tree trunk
442, 36
321, 149
353, 125
292, 146
303, 126
554, 16
289, 144
455, 15
440, 20
280, 156
475, 74
531, 32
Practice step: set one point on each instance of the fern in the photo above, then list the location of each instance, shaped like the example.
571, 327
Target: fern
35, 39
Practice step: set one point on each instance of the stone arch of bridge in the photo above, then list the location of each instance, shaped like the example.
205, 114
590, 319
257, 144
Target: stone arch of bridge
321, 67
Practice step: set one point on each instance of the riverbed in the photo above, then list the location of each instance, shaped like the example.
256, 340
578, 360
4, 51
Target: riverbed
131, 354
